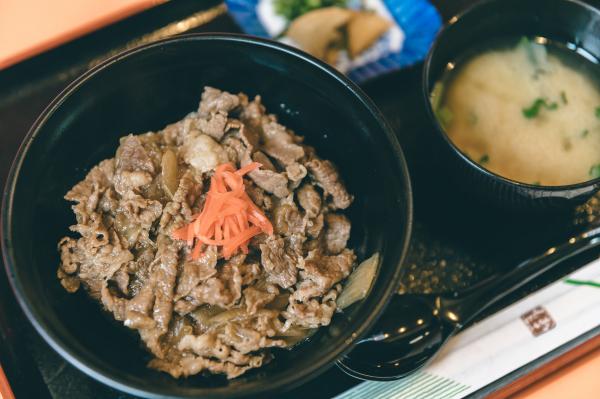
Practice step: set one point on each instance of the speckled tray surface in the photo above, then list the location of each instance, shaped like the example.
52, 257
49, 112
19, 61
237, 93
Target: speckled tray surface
457, 241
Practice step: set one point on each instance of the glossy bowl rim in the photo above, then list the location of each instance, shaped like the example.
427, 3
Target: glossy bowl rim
293, 377
595, 182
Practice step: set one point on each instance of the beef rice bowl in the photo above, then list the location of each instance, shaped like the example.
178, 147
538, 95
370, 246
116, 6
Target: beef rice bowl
217, 238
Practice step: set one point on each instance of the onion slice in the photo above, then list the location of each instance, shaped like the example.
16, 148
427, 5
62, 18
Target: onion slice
359, 282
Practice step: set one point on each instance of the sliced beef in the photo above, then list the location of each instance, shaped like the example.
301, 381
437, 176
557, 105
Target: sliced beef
295, 243
328, 179
207, 345
134, 166
109, 202
191, 365
164, 275
214, 125
213, 291
214, 100
223, 290
309, 199
135, 217
234, 124
114, 304
100, 263
250, 136
279, 262
141, 211
70, 257
325, 271
89, 192
287, 219
121, 278
272, 182
195, 271
250, 272
266, 178
162, 286
314, 226
127, 181
295, 172
70, 261
231, 347
279, 143
236, 150
256, 298
179, 211
132, 156
176, 133
258, 196
251, 335
264, 160
337, 232
252, 114
311, 313
138, 310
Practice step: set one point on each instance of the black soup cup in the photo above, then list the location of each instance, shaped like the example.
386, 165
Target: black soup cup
563, 21
145, 89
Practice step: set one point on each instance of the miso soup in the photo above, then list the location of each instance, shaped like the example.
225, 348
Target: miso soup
528, 110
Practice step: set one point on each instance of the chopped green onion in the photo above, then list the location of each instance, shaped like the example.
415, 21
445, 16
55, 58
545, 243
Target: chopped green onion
442, 113
291, 9
536, 54
445, 116
533, 110
585, 132
524, 41
484, 159
598, 112
472, 118
436, 95
595, 171
563, 97
528, 46
582, 282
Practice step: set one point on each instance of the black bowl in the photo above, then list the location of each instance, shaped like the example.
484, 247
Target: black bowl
562, 21
145, 89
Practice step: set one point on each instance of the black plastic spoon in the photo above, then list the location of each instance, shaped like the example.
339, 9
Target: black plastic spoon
414, 327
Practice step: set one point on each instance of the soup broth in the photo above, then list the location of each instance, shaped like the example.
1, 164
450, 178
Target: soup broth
527, 110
